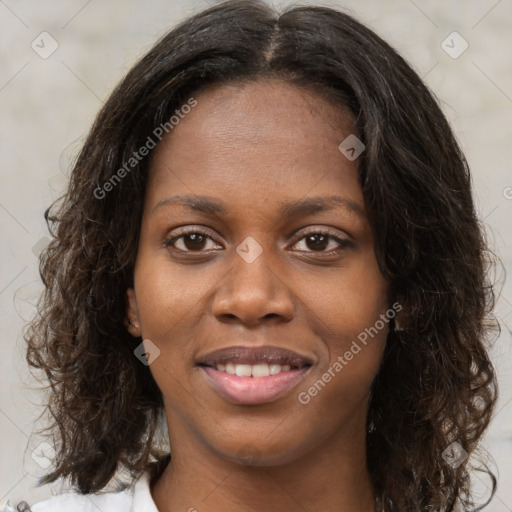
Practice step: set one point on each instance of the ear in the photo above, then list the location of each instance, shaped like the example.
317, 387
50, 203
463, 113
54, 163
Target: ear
400, 318
132, 322
400, 322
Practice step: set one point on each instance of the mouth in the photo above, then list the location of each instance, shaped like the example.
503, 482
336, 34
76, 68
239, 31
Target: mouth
249, 376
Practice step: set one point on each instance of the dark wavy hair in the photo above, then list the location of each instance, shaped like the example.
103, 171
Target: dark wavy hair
436, 384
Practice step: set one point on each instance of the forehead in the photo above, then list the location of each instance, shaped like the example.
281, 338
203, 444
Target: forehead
266, 138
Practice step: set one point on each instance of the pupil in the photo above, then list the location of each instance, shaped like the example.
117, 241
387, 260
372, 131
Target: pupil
318, 241
195, 241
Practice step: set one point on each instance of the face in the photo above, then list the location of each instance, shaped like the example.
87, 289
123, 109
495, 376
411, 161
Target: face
256, 257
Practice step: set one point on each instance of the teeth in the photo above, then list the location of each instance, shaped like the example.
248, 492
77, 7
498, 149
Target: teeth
254, 370
260, 370
243, 370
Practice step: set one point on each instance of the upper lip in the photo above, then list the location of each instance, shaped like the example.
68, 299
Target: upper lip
255, 355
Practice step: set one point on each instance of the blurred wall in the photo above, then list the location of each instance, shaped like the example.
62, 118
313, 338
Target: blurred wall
61, 59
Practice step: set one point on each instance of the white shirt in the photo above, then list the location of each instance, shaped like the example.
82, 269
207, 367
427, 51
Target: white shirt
136, 498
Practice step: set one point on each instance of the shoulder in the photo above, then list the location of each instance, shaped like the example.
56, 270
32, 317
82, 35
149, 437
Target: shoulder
108, 502
135, 498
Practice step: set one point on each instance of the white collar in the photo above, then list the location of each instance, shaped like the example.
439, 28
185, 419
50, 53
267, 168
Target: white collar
142, 499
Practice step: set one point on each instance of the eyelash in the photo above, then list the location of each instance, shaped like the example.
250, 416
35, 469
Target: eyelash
343, 243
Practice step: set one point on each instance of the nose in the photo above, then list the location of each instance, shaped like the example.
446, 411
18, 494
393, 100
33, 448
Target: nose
253, 293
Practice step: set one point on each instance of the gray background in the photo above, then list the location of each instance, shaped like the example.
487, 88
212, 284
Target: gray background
48, 104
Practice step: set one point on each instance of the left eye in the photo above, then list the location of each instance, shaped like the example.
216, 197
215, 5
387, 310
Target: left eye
321, 242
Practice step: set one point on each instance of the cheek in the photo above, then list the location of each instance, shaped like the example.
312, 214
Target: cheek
353, 321
169, 304
351, 300
169, 300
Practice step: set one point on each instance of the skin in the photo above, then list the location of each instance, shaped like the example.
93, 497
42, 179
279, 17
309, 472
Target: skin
254, 147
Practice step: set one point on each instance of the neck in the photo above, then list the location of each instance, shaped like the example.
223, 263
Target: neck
330, 476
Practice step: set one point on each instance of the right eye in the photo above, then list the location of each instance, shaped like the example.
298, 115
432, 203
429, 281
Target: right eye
191, 240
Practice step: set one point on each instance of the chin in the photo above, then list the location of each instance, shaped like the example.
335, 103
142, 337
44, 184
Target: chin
261, 454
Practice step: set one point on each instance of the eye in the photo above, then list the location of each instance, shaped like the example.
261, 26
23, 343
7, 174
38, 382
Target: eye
322, 242
192, 240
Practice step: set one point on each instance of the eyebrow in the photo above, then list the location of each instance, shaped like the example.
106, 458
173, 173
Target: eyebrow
301, 207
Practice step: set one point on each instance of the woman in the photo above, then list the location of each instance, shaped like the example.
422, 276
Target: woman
269, 245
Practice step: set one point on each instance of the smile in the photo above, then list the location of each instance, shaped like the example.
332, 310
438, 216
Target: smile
250, 376
253, 370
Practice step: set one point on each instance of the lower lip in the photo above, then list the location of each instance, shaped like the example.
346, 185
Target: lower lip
253, 390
